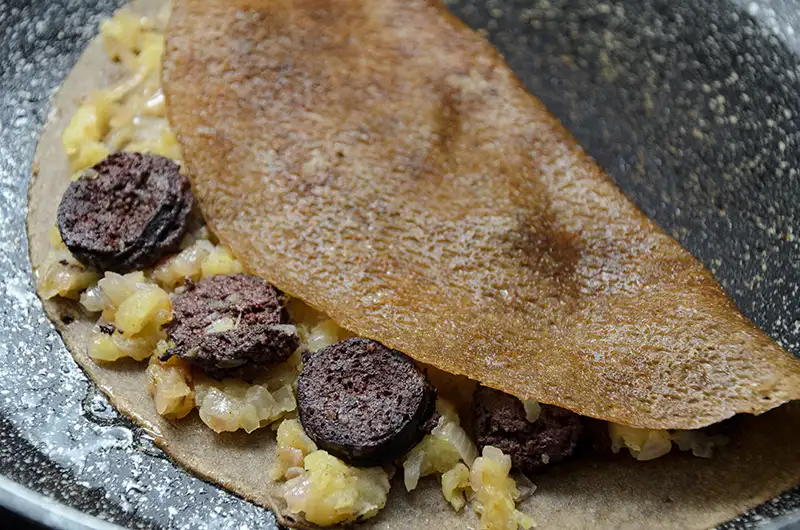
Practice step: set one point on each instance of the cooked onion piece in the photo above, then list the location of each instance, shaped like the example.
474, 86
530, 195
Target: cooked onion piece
131, 114
328, 491
133, 313
63, 275
648, 444
188, 263
433, 454
322, 488
532, 409
220, 261
170, 384
495, 493
455, 483
232, 404
293, 446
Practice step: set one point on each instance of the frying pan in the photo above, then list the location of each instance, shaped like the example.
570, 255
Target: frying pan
702, 97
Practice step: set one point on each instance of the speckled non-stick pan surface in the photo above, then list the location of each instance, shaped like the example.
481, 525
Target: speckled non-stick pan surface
692, 106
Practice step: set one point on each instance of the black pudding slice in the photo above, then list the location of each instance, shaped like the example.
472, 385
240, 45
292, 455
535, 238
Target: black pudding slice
125, 212
363, 402
500, 421
230, 326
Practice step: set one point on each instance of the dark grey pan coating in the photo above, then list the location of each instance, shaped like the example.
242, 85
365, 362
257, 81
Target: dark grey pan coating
703, 97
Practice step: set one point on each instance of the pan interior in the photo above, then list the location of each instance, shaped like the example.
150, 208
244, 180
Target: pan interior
647, 87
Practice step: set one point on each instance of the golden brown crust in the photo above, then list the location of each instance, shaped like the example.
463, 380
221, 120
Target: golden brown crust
379, 160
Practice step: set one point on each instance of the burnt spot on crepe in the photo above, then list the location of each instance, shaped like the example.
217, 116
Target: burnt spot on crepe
231, 326
125, 212
363, 402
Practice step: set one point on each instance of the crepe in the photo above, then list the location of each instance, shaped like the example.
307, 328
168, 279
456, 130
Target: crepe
379, 160
677, 491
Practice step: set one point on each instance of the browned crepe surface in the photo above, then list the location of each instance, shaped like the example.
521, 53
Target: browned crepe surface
378, 159
678, 491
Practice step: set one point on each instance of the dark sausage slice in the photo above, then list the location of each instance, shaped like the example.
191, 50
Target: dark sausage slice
256, 309
363, 402
125, 212
500, 421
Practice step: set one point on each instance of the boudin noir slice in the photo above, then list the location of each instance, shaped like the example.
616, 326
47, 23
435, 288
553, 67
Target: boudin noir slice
125, 212
231, 326
363, 402
500, 421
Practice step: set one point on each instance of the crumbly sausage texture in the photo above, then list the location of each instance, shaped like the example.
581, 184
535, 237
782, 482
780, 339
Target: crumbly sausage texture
500, 421
230, 326
125, 212
363, 402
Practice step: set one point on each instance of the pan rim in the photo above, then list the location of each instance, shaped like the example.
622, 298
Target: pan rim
46, 511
